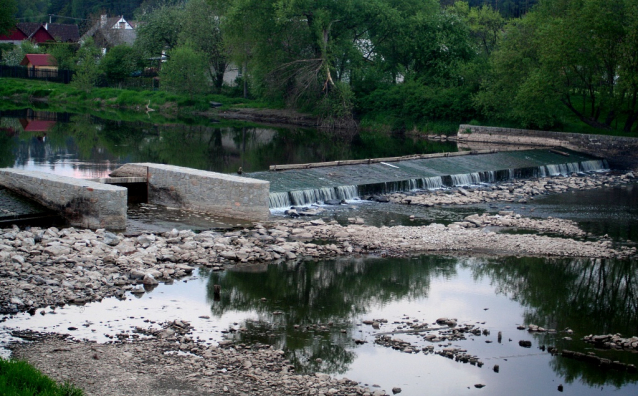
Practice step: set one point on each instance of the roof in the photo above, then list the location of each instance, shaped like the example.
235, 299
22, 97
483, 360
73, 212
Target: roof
36, 125
39, 60
15, 34
28, 27
64, 32
114, 37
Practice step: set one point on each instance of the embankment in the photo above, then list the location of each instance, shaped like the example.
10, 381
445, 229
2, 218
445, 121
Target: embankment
619, 151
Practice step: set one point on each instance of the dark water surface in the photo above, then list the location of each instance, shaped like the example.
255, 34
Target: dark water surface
286, 304
85, 146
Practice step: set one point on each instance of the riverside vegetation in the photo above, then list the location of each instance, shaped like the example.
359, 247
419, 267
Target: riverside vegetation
392, 65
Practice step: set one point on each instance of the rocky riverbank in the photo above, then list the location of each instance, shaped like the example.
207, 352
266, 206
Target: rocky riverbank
170, 362
519, 191
48, 267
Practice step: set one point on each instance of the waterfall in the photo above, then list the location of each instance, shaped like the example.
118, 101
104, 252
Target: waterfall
311, 196
594, 165
419, 176
279, 200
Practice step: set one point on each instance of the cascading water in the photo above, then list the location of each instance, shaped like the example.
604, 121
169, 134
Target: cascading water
351, 182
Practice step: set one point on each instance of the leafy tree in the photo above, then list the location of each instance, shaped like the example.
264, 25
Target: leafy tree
64, 53
578, 55
119, 62
8, 9
15, 56
159, 29
87, 70
184, 71
201, 27
300, 50
485, 24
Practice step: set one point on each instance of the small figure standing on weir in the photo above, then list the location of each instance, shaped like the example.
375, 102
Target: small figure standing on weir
240, 171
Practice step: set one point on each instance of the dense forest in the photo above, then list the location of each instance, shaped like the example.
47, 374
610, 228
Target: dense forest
38, 10
551, 64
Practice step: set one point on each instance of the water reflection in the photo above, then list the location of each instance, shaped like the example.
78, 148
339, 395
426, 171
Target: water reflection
82, 145
313, 309
594, 295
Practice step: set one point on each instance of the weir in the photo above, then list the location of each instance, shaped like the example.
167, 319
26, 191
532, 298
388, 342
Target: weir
317, 184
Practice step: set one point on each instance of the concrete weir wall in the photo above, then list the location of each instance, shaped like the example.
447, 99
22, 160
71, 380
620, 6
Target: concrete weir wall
83, 203
215, 193
620, 152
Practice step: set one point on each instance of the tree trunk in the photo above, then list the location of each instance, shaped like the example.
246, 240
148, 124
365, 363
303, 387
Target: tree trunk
587, 120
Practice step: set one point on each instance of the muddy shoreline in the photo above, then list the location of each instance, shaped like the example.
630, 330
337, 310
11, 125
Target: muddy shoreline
52, 267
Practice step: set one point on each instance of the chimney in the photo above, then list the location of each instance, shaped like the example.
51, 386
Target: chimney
102, 20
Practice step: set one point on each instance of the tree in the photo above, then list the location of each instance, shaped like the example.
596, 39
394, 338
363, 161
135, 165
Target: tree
159, 29
309, 52
87, 70
579, 55
8, 9
201, 27
184, 71
64, 53
15, 56
119, 62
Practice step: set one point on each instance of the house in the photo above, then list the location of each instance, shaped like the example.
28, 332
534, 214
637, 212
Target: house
63, 32
15, 36
36, 125
40, 65
40, 33
35, 32
109, 32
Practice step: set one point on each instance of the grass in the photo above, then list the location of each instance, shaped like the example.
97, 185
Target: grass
18, 378
21, 90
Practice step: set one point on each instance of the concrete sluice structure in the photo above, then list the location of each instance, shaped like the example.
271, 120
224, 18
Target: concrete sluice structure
317, 184
103, 203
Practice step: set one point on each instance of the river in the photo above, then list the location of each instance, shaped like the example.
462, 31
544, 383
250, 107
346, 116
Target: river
315, 310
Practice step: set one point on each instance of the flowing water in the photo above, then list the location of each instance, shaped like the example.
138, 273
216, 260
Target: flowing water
317, 185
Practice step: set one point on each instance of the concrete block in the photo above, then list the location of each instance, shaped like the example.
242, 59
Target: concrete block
211, 192
82, 202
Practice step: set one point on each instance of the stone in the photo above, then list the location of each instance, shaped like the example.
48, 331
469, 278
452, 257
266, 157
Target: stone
57, 250
396, 390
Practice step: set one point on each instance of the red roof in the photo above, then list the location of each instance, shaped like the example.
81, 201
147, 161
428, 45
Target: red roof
39, 60
36, 125
14, 35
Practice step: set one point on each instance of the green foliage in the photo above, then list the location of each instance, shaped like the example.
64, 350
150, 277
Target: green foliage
14, 56
119, 62
8, 9
159, 29
65, 54
580, 55
18, 378
184, 72
202, 30
87, 70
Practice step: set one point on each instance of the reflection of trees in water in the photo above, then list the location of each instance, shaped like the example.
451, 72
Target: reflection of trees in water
7, 144
596, 295
591, 296
214, 147
573, 371
317, 293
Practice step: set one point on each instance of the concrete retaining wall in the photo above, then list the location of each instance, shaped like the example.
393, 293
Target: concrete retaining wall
83, 203
215, 193
619, 151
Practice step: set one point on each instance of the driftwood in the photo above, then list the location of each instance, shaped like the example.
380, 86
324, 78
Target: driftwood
377, 160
